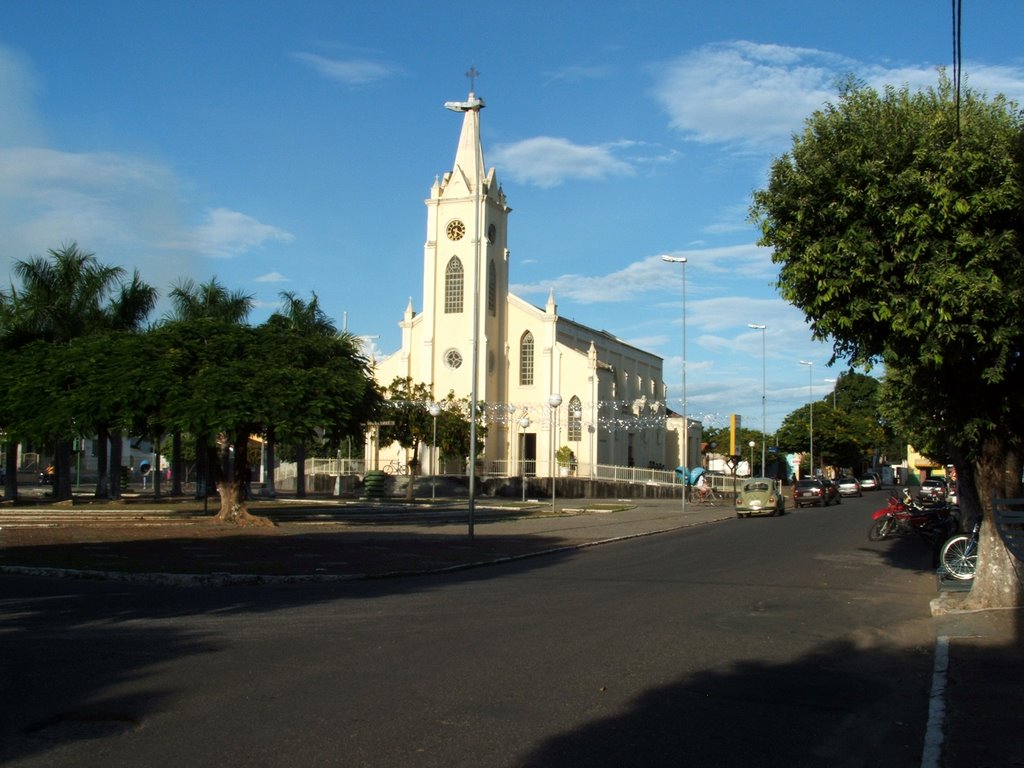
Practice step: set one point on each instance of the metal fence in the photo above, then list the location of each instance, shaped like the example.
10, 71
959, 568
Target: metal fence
501, 468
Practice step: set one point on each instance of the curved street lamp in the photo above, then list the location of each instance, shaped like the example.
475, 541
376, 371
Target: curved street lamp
810, 404
554, 401
686, 422
434, 410
764, 392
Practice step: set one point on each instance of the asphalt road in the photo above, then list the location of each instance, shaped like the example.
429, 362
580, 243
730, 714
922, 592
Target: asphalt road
787, 641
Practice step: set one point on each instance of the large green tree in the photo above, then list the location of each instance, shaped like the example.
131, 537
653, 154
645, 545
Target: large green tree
316, 383
206, 305
897, 220
848, 432
61, 298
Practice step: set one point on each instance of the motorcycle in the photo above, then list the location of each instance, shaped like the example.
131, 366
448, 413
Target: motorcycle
906, 515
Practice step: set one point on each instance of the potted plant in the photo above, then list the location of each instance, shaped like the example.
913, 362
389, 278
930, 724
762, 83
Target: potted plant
566, 460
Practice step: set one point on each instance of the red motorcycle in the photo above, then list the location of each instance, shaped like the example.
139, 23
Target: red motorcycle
902, 516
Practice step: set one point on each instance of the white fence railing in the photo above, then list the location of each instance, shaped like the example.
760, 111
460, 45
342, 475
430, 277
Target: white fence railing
500, 468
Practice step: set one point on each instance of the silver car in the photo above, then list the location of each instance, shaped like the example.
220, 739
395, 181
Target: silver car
849, 486
871, 482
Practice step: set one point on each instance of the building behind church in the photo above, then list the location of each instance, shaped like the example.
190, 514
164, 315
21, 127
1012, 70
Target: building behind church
612, 395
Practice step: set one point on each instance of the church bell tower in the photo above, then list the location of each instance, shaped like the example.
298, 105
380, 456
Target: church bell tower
466, 277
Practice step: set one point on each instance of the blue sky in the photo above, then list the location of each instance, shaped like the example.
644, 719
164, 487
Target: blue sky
289, 146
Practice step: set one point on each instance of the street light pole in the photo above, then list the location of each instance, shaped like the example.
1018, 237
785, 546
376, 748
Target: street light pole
554, 401
474, 104
523, 424
810, 404
686, 421
434, 410
764, 393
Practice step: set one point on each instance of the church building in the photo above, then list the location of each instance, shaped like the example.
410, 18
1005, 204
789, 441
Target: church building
547, 381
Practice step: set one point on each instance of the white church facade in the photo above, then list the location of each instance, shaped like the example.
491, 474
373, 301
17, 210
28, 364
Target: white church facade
610, 395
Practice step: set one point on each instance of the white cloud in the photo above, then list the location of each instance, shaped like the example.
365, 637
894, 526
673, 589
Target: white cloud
227, 233
756, 96
546, 161
99, 199
273, 277
652, 274
356, 71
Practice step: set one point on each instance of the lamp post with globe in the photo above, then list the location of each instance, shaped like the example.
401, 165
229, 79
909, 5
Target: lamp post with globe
434, 410
554, 401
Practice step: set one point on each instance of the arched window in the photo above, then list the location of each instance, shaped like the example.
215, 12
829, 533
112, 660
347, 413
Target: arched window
575, 420
492, 289
526, 360
453, 287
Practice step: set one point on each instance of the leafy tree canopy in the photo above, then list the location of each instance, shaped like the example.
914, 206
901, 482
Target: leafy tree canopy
900, 239
897, 220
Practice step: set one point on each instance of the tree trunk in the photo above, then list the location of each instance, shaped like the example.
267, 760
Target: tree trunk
269, 469
234, 474
999, 579
116, 449
176, 464
11, 468
102, 463
155, 469
300, 470
62, 470
203, 469
414, 466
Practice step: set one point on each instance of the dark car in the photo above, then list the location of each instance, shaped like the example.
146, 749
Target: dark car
933, 490
811, 491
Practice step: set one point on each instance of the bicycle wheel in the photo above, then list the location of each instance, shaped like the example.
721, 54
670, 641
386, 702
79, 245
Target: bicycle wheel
959, 557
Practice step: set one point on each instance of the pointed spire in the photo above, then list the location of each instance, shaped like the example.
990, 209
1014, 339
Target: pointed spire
551, 308
409, 313
470, 155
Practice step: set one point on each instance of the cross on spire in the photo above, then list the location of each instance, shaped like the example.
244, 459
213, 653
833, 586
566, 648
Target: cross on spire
472, 74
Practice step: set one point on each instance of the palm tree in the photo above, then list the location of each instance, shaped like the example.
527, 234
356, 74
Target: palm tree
192, 302
208, 301
65, 296
308, 319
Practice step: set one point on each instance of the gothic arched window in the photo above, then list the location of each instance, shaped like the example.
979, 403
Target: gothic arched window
453, 287
492, 289
526, 360
575, 420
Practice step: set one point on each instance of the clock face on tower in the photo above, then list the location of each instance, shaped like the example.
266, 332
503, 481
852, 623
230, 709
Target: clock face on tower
456, 229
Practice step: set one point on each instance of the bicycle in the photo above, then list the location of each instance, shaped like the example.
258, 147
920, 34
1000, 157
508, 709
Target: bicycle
395, 468
707, 495
959, 555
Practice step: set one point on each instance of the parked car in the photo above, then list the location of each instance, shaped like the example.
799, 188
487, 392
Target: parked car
871, 481
849, 486
813, 490
760, 495
932, 490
